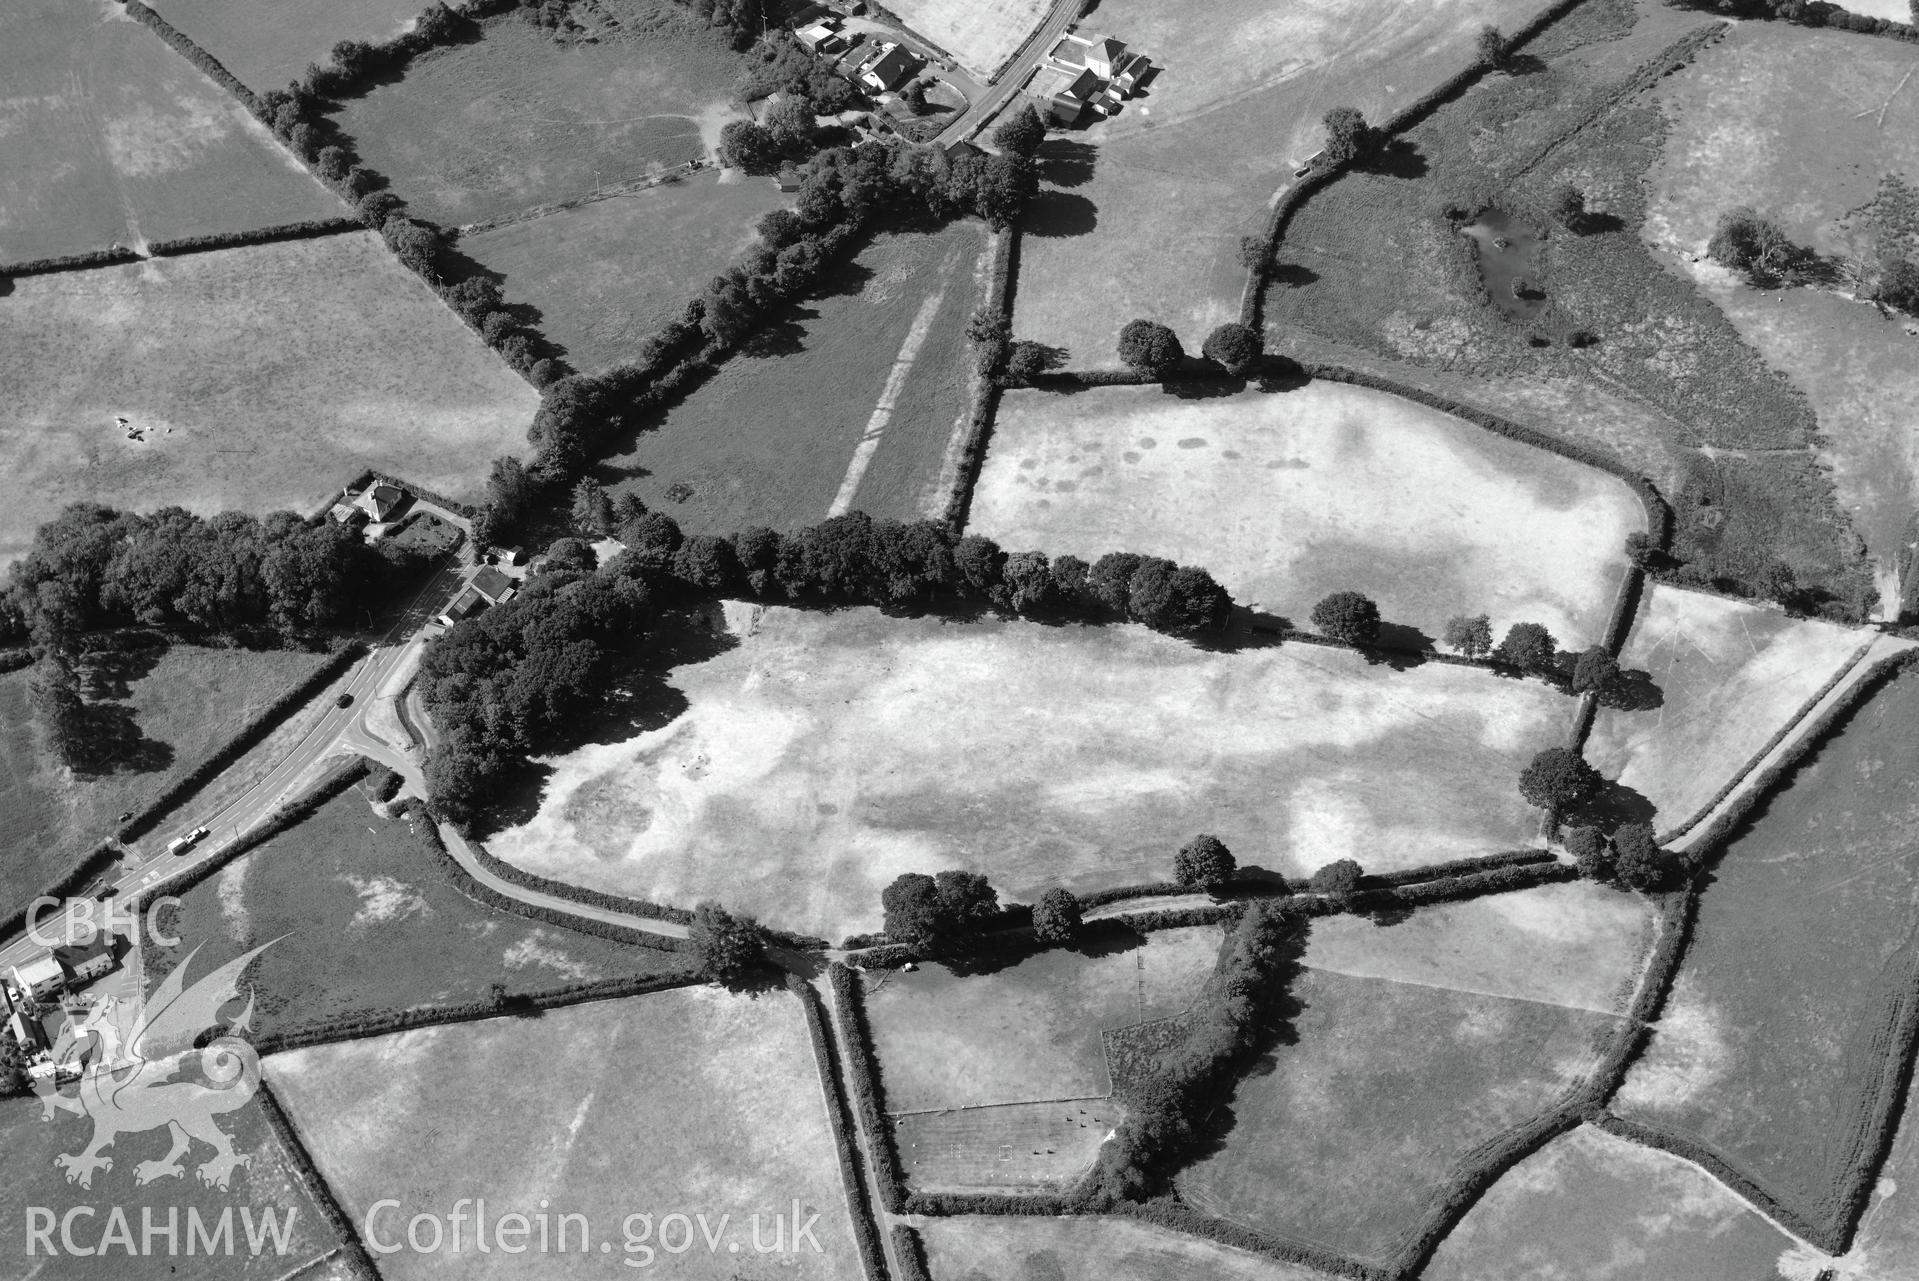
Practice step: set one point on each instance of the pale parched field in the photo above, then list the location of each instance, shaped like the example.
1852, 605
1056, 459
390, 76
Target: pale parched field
1013, 1147
260, 378
108, 137
828, 753
268, 45
1087, 1249
982, 34
1886, 1247
1730, 675
1286, 497
693, 1101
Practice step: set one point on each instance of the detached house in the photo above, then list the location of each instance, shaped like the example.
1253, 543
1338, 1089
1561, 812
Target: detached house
1081, 73
893, 68
1062, 93
84, 962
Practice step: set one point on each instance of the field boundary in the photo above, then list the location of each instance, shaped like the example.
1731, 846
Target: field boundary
308, 1171
116, 256
986, 396
188, 48
311, 229
1722, 1171
859, 1205
577, 893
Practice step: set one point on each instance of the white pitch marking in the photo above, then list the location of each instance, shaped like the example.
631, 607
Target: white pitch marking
883, 412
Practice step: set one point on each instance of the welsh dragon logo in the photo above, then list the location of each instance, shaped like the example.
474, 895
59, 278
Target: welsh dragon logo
129, 1054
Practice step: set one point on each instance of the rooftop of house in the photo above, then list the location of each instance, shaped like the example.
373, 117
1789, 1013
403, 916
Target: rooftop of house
1053, 82
492, 584
39, 970
896, 62
74, 955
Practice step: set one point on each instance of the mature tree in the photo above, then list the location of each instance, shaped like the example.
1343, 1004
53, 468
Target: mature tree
791, 123
706, 563
1021, 132
1252, 253
730, 949
1194, 603
1747, 242
569, 556
1110, 581
757, 549
1150, 348
914, 96
750, 146
1777, 583
981, 566
1337, 880
1491, 46
1204, 861
332, 163
1470, 634
912, 910
54, 693
592, 509
1234, 347
13, 1069
1595, 670
1057, 916
1003, 189
1641, 550
414, 243
1027, 360
1568, 206
1638, 860
1558, 777
1348, 136
1528, 647
1029, 578
1590, 852
1899, 285
964, 900
1349, 617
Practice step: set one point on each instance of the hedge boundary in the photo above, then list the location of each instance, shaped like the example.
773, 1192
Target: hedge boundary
1179, 1216
845, 1136
113, 257
316, 1185
1685, 1149
910, 1250
979, 428
869, 1088
1455, 868
574, 893
311, 229
192, 52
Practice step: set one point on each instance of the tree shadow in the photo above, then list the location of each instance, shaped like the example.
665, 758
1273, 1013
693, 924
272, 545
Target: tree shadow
1210, 386
1596, 224
1405, 636
848, 280
1067, 162
1611, 807
1059, 214
111, 743
1522, 64
784, 335
108, 673
1400, 158
1280, 374
1292, 274
1632, 691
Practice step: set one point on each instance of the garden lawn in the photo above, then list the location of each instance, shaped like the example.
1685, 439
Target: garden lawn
1032, 1030
857, 399
1600, 1209
1772, 1052
268, 46
517, 119
1730, 676
109, 137
1288, 496
366, 918
687, 1102
1365, 1121
271, 1185
829, 752
257, 378
1087, 1248
1141, 215
183, 702
982, 34
604, 276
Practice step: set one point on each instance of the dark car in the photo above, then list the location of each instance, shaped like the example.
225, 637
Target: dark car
344, 700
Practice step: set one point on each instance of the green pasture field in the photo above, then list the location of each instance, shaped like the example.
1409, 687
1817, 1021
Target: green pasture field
1602, 1209
518, 119
113, 138
981, 34
267, 46
1363, 1122
1031, 1031
866, 385
270, 1185
1579, 945
1014, 1147
1038, 756
1729, 675
1772, 1051
367, 919
182, 701
606, 275
257, 378
1373, 265
1086, 1248
1287, 497
1141, 215
693, 1101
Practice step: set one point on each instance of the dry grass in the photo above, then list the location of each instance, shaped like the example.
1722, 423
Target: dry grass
1015, 1147
1730, 675
1886, 1246
1031, 1031
982, 34
1363, 1121
260, 377
828, 753
1087, 1249
1287, 497
267, 46
1596, 1208
110, 137
690, 1101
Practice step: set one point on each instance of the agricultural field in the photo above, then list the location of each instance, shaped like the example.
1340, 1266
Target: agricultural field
981, 34
1009, 1148
1288, 496
1772, 1051
1730, 675
1033, 1030
1035, 755
1350, 1140
1087, 1249
856, 399
251, 379
605, 275
110, 137
1600, 1209
1886, 1247
518, 119
366, 918
176, 705
266, 47
1141, 215
271, 1185
692, 1102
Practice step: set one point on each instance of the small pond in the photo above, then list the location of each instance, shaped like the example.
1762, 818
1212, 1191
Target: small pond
1510, 256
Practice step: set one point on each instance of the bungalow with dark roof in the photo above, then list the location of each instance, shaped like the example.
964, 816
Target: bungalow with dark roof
493, 585
893, 68
381, 501
1062, 94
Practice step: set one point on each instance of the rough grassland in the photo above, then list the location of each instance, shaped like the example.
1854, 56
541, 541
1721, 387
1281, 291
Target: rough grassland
183, 706
367, 919
1364, 1120
29, 1177
518, 119
866, 385
1772, 1049
691, 1101
1578, 945
109, 137
982, 34
606, 275
1286, 497
260, 378
1087, 1249
1142, 214
1730, 675
1030, 1031
268, 45
1589, 1207
1038, 756
1794, 128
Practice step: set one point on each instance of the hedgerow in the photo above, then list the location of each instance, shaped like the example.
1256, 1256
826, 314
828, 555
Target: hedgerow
911, 1252
1807, 13
310, 230
1169, 1212
69, 262
1820, 1236
577, 893
316, 1185
869, 1087
1453, 868
845, 1136
986, 396
192, 52
1499, 880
